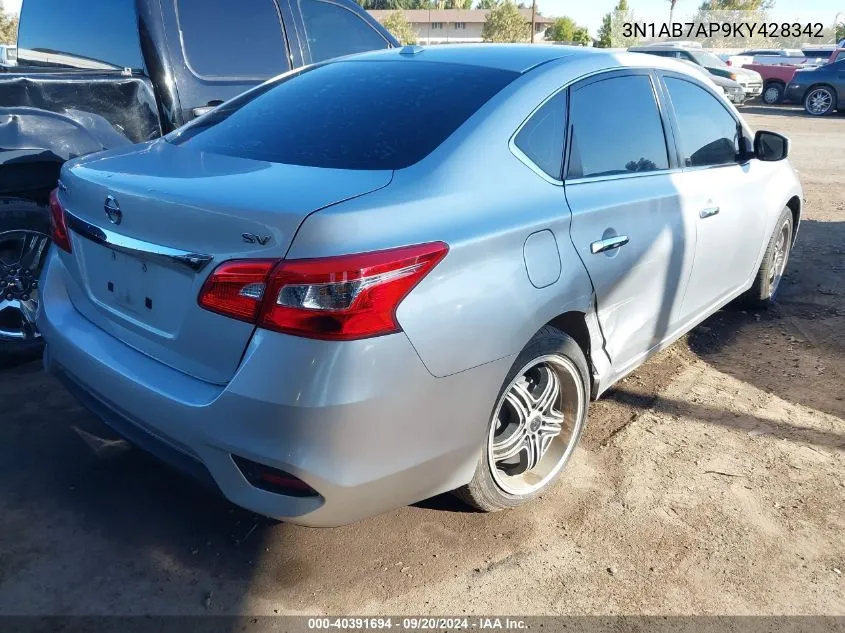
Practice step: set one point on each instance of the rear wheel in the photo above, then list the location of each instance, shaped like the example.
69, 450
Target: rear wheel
24, 239
536, 424
762, 292
820, 100
773, 93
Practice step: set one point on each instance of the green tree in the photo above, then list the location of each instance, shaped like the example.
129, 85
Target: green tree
582, 37
562, 30
605, 31
400, 28
487, 4
736, 5
505, 23
8, 27
840, 30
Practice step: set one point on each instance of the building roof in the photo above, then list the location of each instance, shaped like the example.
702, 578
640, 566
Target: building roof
424, 16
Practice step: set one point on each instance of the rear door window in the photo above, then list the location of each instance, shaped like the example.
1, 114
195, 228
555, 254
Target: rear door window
541, 139
615, 128
224, 39
349, 114
708, 132
96, 36
333, 30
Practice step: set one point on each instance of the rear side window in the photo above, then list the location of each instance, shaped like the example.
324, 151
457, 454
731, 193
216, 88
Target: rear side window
541, 138
96, 36
615, 128
708, 132
348, 115
333, 31
228, 39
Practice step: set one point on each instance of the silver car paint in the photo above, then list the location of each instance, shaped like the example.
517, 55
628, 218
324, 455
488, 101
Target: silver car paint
382, 422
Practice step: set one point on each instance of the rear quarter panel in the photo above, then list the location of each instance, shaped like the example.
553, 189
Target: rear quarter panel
478, 304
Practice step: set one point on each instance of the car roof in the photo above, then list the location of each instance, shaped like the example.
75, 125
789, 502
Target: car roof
514, 57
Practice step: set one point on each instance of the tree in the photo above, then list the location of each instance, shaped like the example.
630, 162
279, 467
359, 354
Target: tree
562, 30
505, 23
566, 30
605, 31
582, 37
8, 27
672, 4
487, 4
400, 28
840, 30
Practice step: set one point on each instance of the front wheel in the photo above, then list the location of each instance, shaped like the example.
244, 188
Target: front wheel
24, 239
536, 423
762, 292
820, 101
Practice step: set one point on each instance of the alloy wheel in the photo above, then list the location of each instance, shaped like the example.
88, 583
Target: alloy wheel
21, 257
819, 101
536, 424
780, 255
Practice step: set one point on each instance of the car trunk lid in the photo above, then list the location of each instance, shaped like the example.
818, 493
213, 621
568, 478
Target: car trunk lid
148, 226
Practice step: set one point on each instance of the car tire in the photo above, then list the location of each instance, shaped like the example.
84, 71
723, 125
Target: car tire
550, 356
21, 223
773, 93
820, 101
764, 289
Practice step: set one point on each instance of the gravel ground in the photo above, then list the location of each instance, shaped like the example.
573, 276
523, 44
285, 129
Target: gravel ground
710, 481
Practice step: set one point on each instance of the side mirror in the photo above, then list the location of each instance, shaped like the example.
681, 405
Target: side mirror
770, 146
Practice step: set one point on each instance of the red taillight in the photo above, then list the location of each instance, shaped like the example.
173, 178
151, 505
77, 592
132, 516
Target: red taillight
58, 227
338, 298
236, 289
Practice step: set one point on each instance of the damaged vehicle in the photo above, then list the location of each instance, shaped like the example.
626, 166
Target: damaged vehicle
127, 71
348, 308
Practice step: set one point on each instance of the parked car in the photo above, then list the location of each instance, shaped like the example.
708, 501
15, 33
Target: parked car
330, 309
789, 56
123, 72
732, 89
737, 61
8, 55
821, 90
751, 82
817, 55
775, 80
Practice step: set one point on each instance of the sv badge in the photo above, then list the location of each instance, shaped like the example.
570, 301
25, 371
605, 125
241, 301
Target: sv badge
251, 238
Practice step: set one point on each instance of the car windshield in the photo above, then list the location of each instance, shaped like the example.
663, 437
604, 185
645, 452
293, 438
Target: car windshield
707, 59
358, 114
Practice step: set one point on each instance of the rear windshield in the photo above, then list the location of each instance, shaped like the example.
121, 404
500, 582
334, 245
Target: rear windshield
348, 115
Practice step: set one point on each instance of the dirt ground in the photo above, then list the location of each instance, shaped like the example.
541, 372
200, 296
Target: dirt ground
710, 481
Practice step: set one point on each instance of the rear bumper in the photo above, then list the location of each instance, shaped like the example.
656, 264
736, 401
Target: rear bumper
363, 423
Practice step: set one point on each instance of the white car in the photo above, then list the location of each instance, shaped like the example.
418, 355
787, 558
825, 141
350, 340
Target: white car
776, 56
8, 55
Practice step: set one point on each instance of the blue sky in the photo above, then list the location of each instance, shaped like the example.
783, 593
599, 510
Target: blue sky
589, 12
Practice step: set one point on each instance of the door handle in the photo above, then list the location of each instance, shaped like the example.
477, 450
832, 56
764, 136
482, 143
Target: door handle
608, 244
708, 212
199, 111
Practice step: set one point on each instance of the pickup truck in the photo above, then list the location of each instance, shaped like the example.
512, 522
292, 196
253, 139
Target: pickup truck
777, 78
128, 71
